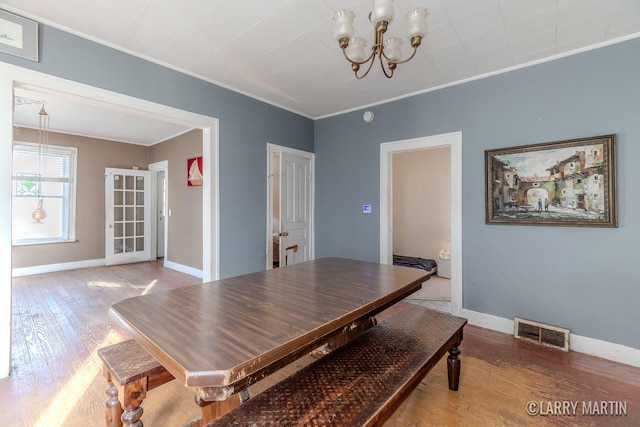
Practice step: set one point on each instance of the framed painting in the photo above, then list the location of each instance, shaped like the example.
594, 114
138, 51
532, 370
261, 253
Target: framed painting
194, 172
18, 36
565, 183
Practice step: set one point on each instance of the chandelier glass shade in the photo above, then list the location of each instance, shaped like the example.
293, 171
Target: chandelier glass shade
389, 50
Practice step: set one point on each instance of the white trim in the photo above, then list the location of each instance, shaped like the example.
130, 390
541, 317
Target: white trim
488, 321
210, 202
69, 223
6, 139
161, 166
210, 138
51, 268
605, 349
578, 343
271, 149
210, 157
454, 141
184, 269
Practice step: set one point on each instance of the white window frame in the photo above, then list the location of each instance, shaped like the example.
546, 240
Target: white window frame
70, 223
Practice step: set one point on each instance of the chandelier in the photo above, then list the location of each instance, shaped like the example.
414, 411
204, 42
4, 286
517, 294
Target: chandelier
39, 214
389, 50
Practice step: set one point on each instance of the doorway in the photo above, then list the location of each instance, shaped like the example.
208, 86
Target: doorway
290, 206
11, 75
159, 197
128, 217
454, 142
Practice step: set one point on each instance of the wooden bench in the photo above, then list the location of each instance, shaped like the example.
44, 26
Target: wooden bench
130, 372
362, 382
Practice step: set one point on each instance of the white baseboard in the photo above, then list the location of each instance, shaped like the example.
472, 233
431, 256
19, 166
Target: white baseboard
183, 269
581, 344
50, 268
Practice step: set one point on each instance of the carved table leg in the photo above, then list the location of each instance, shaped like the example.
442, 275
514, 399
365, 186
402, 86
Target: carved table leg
132, 397
112, 408
453, 366
217, 408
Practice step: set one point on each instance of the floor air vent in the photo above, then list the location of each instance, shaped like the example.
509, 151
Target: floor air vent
548, 335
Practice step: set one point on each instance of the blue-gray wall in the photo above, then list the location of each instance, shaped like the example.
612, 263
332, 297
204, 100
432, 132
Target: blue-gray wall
582, 278
586, 279
246, 126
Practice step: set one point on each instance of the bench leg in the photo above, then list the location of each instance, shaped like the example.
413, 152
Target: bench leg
132, 397
453, 367
112, 408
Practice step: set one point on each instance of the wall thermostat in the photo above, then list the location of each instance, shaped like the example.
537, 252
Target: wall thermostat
366, 208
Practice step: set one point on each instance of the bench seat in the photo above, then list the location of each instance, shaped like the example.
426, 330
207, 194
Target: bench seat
130, 372
363, 382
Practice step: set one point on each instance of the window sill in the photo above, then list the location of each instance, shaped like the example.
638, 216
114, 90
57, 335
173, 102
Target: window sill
41, 242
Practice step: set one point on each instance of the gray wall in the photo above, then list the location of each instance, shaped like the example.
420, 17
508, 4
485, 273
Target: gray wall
246, 126
585, 279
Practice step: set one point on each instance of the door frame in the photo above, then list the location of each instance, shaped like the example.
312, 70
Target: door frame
10, 75
271, 150
161, 166
454, 142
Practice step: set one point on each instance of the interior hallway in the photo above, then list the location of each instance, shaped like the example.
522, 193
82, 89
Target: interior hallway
60, 320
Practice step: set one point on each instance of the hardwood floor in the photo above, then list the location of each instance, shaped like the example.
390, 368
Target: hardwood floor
60, 320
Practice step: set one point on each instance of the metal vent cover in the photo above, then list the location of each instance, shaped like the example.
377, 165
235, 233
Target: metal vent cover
541, 333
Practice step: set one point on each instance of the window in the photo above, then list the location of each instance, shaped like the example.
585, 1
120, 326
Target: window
54, 181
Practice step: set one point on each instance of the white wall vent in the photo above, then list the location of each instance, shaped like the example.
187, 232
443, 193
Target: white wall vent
548, 335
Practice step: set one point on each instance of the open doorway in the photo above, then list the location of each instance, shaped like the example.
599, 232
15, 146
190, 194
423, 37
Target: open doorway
290, 206
159, 197
12, 76
421, 197
453, 141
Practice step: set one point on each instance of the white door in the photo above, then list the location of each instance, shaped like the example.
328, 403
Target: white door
295, 208
160, 210
128, 216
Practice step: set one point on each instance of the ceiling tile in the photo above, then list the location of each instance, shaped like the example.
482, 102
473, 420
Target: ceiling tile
278, 50
530, 26
480, 22
488, 41
515, 10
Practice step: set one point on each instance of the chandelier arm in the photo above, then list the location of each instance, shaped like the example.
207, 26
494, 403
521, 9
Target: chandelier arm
371, 61
415, 50
384, 70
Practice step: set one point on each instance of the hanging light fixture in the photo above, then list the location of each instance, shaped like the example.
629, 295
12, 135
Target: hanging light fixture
388, 50
39, 214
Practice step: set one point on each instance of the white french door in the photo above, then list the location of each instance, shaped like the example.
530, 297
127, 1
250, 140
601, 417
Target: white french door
128, 216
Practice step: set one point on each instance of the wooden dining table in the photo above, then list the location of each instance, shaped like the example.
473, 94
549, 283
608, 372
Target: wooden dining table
222, 336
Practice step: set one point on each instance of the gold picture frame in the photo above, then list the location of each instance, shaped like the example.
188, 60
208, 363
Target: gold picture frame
561, 183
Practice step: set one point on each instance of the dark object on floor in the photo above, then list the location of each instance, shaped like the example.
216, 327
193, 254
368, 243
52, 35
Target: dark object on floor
423, 263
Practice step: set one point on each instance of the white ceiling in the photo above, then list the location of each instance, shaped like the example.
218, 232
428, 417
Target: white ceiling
283, 51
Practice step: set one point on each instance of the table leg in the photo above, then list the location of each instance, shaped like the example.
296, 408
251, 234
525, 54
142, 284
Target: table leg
453, 365
217, 408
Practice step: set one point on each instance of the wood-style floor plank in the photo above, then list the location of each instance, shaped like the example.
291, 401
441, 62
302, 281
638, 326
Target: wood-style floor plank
60, 320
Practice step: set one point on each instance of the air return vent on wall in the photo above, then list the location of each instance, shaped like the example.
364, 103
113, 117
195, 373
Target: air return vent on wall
548, 335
